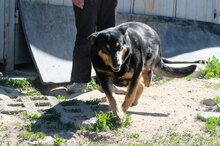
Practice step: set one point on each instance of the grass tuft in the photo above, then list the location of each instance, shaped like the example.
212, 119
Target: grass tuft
109, 121
212, 68
92, 85
20, 84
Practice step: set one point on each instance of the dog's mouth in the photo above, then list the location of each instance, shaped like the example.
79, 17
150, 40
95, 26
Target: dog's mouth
116, 69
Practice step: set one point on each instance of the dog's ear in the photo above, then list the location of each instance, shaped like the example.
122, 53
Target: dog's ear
123, 29
92, 38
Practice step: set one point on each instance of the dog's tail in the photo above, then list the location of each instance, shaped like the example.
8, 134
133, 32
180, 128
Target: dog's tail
165, 71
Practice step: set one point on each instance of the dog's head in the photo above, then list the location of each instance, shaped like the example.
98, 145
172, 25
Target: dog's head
112, 45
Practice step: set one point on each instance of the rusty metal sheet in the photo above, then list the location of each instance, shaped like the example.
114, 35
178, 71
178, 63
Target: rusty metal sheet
155, 7
50, 34
1, 28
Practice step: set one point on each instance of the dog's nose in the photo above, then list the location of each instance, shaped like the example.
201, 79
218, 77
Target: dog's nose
116, 68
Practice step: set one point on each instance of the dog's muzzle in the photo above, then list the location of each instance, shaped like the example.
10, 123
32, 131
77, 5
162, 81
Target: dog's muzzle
116, 69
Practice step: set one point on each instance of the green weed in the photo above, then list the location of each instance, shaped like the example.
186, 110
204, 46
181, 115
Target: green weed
133, 135
60, 97
211, 124
42, 144
92, 85
109, 121
24, 84
3, 128
217, 100
189, 78
82, 128
212, 68
7, 135
160, 80
216, 86
31, 117
93, 102
58, 140
34, 93
94, 144
31, 136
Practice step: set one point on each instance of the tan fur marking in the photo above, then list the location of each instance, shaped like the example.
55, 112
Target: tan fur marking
140, 90
147, 77
123, 53
126, 34
108, 46
116, 107
117, 44
104, 71
128, 75
129, 100
106, 58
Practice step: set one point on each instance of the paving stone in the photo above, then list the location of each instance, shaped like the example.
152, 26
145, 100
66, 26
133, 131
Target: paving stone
76, 111
209, 102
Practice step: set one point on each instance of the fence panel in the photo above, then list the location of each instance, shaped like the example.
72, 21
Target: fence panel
1, 28
125, 6
155, 7
202, 10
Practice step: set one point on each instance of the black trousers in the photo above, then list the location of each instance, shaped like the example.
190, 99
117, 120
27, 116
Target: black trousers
96, 15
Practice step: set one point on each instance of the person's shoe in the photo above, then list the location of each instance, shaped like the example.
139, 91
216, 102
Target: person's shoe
77, 87
116, 90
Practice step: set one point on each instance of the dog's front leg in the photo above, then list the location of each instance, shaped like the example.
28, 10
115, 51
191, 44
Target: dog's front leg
131, 92
107, 86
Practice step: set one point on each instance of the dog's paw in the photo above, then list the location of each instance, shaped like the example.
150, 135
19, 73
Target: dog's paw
134, 103
121, 120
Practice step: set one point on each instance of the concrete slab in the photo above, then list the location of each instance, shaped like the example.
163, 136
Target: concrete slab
203, 54
73, 110
50, 34
207, 115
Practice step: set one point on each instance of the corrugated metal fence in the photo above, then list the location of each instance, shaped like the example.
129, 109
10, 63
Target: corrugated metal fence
202, 10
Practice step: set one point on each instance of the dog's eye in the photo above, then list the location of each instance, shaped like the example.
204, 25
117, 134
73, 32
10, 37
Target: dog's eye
106, 50
117, 44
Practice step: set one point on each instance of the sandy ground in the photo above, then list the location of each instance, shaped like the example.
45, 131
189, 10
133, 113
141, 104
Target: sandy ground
162, 108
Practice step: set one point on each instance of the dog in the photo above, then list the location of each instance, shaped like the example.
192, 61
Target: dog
128, 55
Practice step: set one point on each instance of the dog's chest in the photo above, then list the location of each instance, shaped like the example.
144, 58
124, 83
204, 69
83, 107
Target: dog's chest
123, 80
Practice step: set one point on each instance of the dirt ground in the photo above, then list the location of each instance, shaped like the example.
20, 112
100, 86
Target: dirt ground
165, 108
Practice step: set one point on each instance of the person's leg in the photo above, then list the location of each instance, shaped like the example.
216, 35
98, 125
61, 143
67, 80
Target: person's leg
107, 14
85, 20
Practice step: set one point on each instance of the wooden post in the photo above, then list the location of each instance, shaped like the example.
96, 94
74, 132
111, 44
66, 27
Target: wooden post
9, 34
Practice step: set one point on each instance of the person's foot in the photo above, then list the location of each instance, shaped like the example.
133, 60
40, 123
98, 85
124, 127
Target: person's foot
77, 87
116, 90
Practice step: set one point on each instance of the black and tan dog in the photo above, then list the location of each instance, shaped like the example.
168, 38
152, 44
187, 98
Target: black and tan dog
127, 55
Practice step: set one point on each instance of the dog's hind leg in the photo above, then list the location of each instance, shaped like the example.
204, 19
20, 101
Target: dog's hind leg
140, 89
147, 76
131, 93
